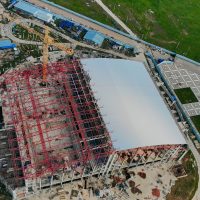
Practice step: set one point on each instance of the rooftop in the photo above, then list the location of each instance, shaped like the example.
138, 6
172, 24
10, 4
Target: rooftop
95, 37
5, 43
131, 104
34, 10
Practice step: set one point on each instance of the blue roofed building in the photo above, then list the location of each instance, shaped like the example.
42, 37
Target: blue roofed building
66, 24
6, 44
127, 46
35, 11
12, 3
94, 37
116, 42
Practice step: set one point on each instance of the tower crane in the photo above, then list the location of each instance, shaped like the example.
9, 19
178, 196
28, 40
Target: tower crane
47, 41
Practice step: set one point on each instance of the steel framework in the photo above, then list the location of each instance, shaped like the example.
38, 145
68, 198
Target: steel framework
57, 124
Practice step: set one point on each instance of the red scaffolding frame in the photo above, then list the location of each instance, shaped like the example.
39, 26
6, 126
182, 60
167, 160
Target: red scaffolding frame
58, 124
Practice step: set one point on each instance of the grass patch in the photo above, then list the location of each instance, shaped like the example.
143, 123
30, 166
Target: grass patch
196, 121
88, 8
24, 34
185, 188
186, 95
167, 23
171, 24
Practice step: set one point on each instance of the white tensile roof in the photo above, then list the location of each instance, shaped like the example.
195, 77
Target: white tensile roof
131, 104
47, 17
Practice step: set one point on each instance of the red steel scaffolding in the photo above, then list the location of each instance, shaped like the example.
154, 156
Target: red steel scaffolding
58, 124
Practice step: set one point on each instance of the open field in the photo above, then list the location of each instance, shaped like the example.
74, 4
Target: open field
186, 95
165, 23
185, 187
174, 25
89, 9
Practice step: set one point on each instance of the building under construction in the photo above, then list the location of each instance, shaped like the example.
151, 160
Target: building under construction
54, 132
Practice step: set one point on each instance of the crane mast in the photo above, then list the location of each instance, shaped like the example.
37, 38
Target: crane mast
47, 41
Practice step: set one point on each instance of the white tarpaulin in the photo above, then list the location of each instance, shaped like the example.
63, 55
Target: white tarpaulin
131, 104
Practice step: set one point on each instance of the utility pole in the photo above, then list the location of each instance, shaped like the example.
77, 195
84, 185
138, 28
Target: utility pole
178, 44
126, 19
188, 50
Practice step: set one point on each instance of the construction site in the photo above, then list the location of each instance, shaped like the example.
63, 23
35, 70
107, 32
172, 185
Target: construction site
53, 131
84, 123
57, 125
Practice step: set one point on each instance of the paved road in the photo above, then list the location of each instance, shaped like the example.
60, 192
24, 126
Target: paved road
8, 31
86, 23
109, 12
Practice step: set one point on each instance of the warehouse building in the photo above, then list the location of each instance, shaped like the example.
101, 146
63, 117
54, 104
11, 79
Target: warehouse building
94, 37
33, 10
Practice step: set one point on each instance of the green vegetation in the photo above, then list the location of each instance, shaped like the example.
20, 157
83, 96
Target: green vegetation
196, 121
172, 24
58, 38
23, 34
88, 8
25, 50
186, 95
185, 187
30, 50
4, 195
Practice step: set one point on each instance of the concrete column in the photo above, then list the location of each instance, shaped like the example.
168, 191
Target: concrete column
107, 164
40, 180
183, 155
62, 179
111, 164
51, 183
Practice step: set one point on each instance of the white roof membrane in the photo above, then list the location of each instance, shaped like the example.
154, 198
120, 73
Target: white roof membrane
131, 104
